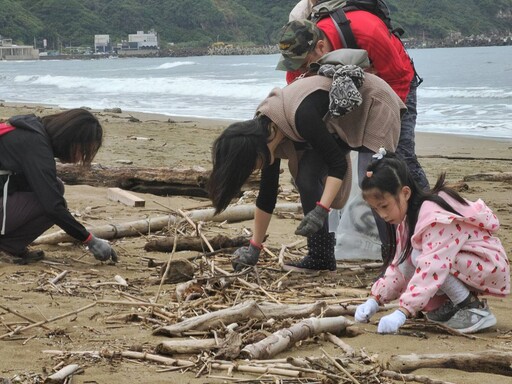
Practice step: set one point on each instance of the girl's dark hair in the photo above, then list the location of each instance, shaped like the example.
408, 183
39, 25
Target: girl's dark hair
390, 174
76, 135
234, 155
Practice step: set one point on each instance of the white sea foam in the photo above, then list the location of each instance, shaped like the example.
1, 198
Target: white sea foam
463, 96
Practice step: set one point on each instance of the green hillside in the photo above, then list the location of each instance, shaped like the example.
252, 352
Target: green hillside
201, 22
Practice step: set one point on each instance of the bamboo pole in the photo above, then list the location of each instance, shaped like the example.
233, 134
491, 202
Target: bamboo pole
138, 227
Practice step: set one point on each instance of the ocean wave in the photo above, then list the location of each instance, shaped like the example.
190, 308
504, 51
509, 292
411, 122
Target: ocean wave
172, 65
464, 92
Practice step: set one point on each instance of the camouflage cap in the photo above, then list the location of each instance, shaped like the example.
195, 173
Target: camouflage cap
298, 38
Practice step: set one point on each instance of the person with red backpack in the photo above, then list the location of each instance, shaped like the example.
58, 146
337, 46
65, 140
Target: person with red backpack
304, 42
31, 195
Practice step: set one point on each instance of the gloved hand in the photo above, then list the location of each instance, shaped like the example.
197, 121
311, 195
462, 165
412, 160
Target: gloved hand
101, 249
391, 323
245, 256
366, 310
312, 222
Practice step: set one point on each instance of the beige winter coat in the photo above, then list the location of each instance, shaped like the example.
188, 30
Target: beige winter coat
374, 124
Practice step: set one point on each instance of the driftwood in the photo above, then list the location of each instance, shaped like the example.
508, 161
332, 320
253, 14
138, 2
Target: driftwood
286, 338
171, 347
491, 176
194, 243
128, 354
497, 362
158, 181
403, 377
251, 310
138, 227
60, 376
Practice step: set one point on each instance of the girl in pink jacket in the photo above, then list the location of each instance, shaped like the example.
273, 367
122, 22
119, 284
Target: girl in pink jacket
445, 250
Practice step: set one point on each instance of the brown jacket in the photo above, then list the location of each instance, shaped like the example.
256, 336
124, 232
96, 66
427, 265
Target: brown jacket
374, 124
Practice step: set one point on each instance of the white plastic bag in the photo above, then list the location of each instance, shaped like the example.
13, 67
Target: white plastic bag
357, 237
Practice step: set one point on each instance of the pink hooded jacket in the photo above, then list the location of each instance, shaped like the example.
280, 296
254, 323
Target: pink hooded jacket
445, 243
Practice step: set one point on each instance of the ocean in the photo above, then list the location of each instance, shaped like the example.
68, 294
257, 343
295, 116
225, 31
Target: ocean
466, 91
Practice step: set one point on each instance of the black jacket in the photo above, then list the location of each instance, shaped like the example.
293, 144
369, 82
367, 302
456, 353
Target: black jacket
27, 152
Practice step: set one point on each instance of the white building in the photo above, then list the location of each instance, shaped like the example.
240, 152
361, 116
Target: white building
10, 51
142, 40
102, 44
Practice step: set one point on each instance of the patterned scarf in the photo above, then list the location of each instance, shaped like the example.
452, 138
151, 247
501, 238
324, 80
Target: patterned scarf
343, 95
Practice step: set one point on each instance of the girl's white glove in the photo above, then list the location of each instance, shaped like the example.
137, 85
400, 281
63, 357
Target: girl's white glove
391, 323
366, 310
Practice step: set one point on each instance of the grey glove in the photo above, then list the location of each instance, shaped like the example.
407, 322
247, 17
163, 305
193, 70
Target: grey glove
312, 222
245, 256
101, 249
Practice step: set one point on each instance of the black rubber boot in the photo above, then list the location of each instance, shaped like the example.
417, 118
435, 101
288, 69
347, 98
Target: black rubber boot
320, 254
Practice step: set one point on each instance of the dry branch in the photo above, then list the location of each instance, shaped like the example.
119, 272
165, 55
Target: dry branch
138, 227
171, 347
59, 376
408, 377
195, 243
286, 338
490, 361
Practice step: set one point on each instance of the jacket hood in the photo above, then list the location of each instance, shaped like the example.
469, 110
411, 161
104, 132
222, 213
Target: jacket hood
477, 213
28, 122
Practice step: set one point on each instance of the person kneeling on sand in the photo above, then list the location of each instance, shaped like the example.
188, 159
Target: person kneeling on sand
32, 197
446, 251
313, 122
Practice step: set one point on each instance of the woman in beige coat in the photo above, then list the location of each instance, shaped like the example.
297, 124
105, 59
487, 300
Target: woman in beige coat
299, 123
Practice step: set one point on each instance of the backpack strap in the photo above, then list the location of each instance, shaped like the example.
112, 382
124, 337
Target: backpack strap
4, 199
343, 26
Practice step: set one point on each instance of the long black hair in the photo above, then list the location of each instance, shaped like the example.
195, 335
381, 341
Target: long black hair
235, 154
76, 135
390, 174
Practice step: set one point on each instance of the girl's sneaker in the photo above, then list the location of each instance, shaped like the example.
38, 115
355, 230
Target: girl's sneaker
471, 320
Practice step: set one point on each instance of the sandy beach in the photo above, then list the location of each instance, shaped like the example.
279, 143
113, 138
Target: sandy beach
145, 140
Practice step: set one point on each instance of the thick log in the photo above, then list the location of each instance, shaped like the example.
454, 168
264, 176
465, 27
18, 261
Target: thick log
136, 228
250, 310
498, 362
286, 338
59, 376
491, 176
194, 243
158, 181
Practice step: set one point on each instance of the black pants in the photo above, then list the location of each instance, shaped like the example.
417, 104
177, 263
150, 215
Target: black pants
26, 221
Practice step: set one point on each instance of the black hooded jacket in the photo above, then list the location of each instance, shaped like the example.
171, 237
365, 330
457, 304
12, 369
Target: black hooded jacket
27, 152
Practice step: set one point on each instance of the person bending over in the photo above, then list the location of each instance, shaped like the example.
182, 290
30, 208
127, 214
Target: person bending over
297, 123
447, 252
32, 197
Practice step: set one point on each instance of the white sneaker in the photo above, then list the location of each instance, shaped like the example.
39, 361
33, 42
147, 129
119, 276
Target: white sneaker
471, 320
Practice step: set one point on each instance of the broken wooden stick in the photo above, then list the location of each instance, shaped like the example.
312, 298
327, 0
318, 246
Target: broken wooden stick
490, 361
136, 228
59, 376
193, 243
285, 338
402, 377
46, 321
171, 347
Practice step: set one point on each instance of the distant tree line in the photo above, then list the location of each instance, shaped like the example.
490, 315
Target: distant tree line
199, 23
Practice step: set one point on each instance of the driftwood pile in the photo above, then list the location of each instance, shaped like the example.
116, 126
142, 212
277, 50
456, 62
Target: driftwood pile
240, 327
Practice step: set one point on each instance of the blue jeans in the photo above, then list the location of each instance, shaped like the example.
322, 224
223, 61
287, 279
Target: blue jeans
406, 144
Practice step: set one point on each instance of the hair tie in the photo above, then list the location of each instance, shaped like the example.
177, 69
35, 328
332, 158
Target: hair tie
380, 154
369, 174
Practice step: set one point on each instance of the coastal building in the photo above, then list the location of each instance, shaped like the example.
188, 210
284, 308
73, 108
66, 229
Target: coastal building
10, 51
102, 44
142, 40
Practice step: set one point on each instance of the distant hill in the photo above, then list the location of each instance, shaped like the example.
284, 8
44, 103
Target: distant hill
201, 22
